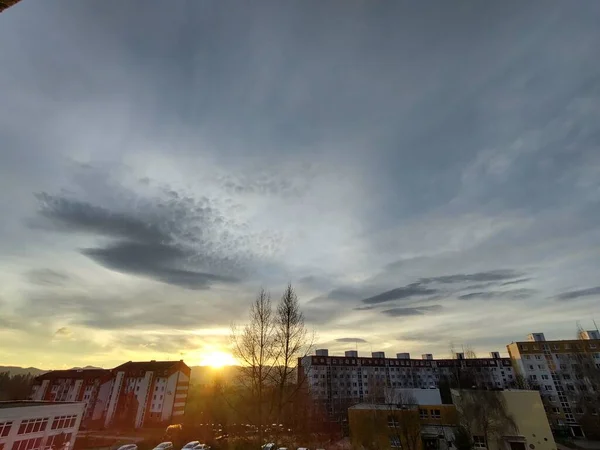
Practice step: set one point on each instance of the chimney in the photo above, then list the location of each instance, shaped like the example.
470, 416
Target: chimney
427, 356
460, 356
495, 355
351, 354
378, 354
403, 355
322, 352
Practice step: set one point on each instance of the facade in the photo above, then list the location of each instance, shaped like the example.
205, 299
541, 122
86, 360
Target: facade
34, 425
420, 426
526, 409
338, 382
567, 374
411, 427
134, 394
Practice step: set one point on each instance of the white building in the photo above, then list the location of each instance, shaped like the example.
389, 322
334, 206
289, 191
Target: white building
554, 367
35, 425
138, 393
341, 381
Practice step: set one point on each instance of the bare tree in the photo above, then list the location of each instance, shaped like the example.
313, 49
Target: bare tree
583, 386
293, 341
255, 346
484, 413
403, 418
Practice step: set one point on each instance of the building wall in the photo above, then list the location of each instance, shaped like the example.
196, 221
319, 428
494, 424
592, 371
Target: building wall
527, 409
55, 419
341, 381
372, 425
550, 367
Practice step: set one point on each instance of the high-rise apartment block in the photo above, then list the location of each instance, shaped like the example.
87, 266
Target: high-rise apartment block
339, 381
567, 373
138, 393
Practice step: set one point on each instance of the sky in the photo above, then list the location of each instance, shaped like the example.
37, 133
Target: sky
423, 173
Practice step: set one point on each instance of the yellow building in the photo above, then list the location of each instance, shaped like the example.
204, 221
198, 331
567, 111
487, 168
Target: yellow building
411, 427
521, 425
496, 420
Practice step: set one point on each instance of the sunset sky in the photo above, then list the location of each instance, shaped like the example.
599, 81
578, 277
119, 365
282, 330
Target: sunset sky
422, 172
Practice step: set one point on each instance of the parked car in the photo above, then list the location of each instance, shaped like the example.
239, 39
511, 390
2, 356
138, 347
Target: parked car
128, 447
195, 445
164, 446
269, 446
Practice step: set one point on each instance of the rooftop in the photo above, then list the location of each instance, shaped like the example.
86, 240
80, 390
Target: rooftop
26, 403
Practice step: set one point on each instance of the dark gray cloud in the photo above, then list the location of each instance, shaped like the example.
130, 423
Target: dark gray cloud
405, 292
166, 245
519, 281
572, 295
514, 294
416, 311
492, 275
349, 339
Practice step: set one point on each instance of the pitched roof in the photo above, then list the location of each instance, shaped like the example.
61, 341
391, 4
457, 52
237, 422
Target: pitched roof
73, 374
146, 366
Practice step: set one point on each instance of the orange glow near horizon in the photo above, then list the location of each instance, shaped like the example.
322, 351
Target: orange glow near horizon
217, 359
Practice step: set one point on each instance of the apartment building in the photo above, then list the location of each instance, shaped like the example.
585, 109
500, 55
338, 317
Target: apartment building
338, 382
567, 373
424, 423
134, 394
36, 425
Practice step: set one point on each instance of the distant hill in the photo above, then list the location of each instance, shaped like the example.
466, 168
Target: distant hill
15, 370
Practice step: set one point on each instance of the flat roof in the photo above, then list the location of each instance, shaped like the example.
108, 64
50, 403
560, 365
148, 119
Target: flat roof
26, 403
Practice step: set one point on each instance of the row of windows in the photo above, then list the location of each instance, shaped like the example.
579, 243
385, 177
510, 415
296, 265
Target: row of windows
33, 425
61, 422
433, 413
27, 444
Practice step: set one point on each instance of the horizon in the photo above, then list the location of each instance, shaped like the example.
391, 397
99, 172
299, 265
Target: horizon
421, 175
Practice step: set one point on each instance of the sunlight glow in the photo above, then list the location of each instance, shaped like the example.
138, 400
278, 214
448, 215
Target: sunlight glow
217, 359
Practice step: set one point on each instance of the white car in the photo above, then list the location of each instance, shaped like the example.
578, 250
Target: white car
195, 445
164, 446
128, 447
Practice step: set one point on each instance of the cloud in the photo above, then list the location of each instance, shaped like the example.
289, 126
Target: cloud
571, 295
47, 277
416, 311
63, 332
519, 281
515, 294
493, 275
348, 339
167, 243
405, 292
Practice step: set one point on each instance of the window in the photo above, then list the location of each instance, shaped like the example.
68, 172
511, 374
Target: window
52, 439
527, 357
5, 428
540, 366
538, 357
33, 425
479, 442
61, 422
423, 414
555, 410
392, 422
545, 377
548, 387
530, 367
435, 414
566, 376
570, 387
27, 444
395, 442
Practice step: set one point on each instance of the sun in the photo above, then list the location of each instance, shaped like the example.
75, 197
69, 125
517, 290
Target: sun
217, 359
